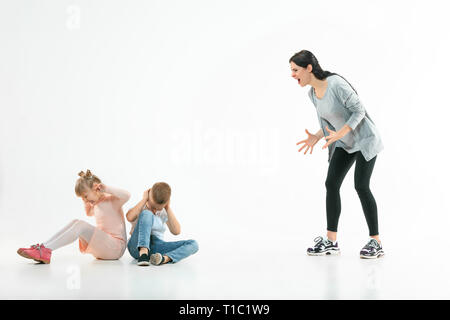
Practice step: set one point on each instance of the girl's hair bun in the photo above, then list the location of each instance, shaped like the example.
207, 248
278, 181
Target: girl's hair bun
86, 175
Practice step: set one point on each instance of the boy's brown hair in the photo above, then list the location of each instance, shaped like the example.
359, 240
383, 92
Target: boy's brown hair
161, 192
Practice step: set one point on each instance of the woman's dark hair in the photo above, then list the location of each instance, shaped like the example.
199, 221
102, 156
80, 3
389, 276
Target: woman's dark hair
305, 57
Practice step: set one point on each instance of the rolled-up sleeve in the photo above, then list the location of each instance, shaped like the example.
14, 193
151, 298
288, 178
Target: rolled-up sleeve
351, 102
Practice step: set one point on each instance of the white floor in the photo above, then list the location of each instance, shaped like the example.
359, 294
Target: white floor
226, 273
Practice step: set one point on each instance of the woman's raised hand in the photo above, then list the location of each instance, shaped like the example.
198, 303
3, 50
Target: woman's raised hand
309, 142
332, 137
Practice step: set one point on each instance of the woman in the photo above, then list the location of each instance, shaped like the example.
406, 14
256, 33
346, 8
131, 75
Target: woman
351, 138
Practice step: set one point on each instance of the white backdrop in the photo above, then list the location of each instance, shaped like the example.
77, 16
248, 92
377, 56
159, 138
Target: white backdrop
199, 94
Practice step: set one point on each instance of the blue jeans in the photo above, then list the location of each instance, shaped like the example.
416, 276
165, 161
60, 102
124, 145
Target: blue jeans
141, 237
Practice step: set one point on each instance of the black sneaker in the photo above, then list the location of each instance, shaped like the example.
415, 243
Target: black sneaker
143, 260
372, 250
323, 247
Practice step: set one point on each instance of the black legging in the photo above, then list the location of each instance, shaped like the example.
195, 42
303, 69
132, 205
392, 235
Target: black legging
339, 165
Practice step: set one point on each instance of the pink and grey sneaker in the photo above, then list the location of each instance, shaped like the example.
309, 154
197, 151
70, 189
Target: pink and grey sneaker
21, 249
37, 252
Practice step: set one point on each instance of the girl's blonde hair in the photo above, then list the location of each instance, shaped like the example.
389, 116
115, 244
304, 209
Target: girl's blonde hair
85, 182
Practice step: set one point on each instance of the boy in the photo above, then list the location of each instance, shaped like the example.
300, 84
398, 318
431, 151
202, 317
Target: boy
148, 219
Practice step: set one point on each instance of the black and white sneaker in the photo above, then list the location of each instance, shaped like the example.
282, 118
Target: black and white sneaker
323, 247
143, 260
372, 250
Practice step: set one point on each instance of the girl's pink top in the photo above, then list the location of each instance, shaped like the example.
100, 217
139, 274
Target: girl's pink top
110, 219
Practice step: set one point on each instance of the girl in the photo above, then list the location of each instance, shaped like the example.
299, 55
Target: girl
107, 240
351, 138
148, 220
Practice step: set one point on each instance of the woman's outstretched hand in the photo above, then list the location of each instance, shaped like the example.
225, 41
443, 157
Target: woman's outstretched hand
309, 142
332, 137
